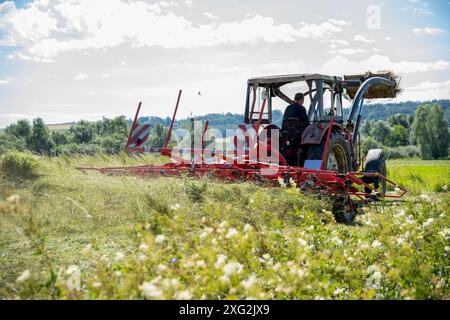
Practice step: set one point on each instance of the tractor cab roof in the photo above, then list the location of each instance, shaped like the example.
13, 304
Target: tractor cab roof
289, 78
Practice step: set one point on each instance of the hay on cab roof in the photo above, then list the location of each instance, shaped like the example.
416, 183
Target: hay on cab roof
376, 91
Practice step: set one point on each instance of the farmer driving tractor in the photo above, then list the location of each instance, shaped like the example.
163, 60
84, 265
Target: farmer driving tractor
297, 110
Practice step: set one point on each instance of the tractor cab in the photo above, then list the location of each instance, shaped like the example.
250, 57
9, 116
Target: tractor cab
307, 146
323, 101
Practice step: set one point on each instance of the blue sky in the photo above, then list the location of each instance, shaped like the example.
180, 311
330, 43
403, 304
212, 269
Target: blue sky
70, 60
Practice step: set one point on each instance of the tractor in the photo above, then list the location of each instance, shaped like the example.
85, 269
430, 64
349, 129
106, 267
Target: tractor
323, 157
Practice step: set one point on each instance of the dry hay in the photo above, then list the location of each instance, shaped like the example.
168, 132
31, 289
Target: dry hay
376, 91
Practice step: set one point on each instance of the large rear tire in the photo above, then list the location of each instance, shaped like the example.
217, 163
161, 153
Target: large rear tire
338, 154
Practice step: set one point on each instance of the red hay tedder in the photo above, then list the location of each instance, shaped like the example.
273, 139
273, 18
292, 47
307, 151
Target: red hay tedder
323, 157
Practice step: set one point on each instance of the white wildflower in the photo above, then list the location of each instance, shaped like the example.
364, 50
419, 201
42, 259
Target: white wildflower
223, 224
176, 206
401, 213
24, 276
250, 282
142, 257
444, 187
73, 282
232, 232
447, 249
445, 234
72, 269
143, 246
376, 244
162, 267
201, 264
188, 264
232, 267
374, 279
221, 259
150, 290
337, 241
160, 238
400, 241
302, 242
410, 219
247, 227
119, 256
183, 295
428, 222
266, 256
338, 291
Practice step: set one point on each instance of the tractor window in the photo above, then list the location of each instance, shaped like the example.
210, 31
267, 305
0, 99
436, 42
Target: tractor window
256, 104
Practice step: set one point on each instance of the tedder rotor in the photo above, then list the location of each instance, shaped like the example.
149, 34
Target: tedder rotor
323, 157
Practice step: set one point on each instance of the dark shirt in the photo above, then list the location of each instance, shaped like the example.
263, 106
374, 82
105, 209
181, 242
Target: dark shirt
298, 111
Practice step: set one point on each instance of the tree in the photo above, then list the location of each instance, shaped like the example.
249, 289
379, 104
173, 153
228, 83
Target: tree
59, 137
439, 130
399, 119
380, 131
21, 129
82, 132
399, 136
431, 131
367, 129
40, 140
9, 142
158, 137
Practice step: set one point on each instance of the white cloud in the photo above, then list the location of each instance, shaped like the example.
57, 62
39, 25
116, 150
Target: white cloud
428, 31
210, 15
4, 82
339, 65
80, 76
428, 90
348, 51
361, 38
44, 30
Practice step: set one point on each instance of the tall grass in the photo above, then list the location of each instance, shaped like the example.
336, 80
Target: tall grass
69, 235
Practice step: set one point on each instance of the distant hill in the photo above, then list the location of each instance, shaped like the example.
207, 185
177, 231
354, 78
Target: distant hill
371, 112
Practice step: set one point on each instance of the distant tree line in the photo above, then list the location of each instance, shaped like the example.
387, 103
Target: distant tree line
424, 133
422, 130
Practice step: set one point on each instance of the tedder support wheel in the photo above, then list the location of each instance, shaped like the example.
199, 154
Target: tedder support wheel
376, 162
344, 210
338, 153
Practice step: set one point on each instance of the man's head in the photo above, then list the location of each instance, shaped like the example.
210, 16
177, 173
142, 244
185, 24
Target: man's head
299, 98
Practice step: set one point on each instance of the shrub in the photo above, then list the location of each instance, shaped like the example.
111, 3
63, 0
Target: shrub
21, 165
9, 142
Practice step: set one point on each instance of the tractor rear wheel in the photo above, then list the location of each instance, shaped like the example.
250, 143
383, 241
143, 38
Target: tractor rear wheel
338, 153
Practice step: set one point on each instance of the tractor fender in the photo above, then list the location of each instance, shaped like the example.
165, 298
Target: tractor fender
314, 133
375, 158
375, 162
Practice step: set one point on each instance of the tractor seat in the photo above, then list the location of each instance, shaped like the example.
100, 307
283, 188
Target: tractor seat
292, 129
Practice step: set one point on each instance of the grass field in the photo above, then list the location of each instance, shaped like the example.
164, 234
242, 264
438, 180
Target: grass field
67, 235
